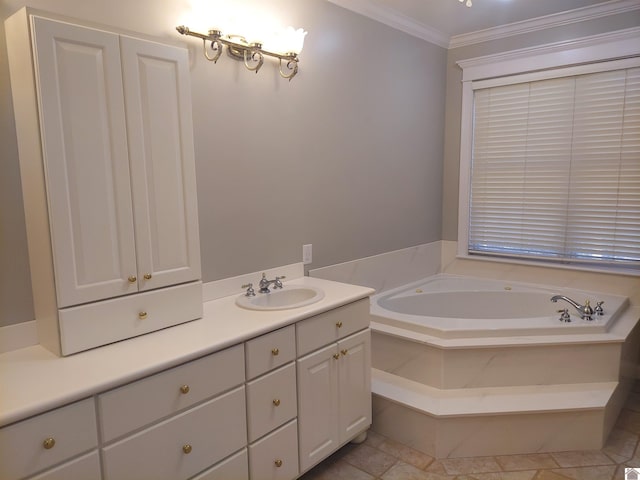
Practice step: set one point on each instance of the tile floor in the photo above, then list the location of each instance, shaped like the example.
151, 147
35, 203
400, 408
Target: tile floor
380, 458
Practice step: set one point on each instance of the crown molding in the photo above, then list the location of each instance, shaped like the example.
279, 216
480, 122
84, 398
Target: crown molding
583, 14
396, 20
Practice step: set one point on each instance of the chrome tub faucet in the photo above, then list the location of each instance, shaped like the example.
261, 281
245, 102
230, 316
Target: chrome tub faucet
585, 311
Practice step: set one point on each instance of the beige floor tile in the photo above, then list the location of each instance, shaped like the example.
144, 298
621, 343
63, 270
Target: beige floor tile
406, 454
629, 420
374, 439
583, 458
588, 473
522, 475
549, 475
405, 471
534, 461
461, 466
621, 445
339, 470
370, 460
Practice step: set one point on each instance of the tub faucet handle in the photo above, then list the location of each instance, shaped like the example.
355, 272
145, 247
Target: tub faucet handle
564, 315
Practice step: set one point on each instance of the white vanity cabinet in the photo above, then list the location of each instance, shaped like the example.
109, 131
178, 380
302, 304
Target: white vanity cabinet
192, 416
40, 442
334, 381
272, 406
108, 172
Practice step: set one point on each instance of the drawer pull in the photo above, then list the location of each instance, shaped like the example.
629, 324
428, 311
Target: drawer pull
275, 352
187, 449
185, 389
142, 315
336, 356
339, 324
132, 279
147, 276
278, 463
344, 352
49, 443
276, 402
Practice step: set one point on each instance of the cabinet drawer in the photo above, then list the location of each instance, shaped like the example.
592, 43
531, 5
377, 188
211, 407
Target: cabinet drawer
182, 446
330, 326
275, 457
271, 401
95, 324
135, 405
86, 467
270, 351
72, 428
235, 467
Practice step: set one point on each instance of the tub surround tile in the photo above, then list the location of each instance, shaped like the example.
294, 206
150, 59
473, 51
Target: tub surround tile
388, 270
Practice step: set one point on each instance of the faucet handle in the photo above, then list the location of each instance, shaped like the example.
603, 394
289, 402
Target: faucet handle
278, 282
564, 315
250, 291
599, 310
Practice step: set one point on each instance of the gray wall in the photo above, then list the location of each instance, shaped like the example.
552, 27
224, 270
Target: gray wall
347, 156
454, 94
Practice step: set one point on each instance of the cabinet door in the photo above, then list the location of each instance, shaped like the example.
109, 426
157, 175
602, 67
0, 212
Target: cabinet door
86, 161
158, 109
318, 405
354, 384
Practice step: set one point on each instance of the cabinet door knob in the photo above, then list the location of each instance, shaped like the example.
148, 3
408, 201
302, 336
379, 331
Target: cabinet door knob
132, 279
147, 276
278, 463
344, 351
187, 448
49, 443
275, 352
185, 389
339, 324
142, 315
336, 356
276, 402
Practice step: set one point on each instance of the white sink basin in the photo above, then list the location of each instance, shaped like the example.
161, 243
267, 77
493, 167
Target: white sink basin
289, 296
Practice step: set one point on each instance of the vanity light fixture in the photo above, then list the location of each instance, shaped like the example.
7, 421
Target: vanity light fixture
289, 41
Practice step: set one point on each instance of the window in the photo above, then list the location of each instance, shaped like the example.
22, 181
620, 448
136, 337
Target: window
555, 169
550, 154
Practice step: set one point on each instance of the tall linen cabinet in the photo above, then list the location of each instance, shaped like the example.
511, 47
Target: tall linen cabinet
105, 140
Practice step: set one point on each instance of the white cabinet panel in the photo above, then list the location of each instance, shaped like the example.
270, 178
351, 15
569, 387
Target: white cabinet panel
144, 401
235, 467
45, 440
163, 177
182, 446
275, 457
271, 401
355, 384
86, 160
318, 405
270, 351
86, 467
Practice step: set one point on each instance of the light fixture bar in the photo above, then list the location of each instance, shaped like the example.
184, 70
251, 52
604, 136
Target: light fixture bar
251, 53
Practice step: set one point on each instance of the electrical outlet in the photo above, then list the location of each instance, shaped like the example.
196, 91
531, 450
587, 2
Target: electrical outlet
307, 254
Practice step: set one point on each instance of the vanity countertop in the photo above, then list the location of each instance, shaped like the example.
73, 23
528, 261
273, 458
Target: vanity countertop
35, 380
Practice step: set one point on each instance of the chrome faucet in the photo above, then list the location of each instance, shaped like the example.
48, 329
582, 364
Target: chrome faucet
585, 311
264, 283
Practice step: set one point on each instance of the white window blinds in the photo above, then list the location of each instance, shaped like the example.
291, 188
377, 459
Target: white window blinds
556, 169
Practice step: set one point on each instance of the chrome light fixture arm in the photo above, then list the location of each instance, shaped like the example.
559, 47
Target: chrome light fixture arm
251, 53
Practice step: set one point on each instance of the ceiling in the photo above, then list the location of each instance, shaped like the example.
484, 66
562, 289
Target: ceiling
442, 21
